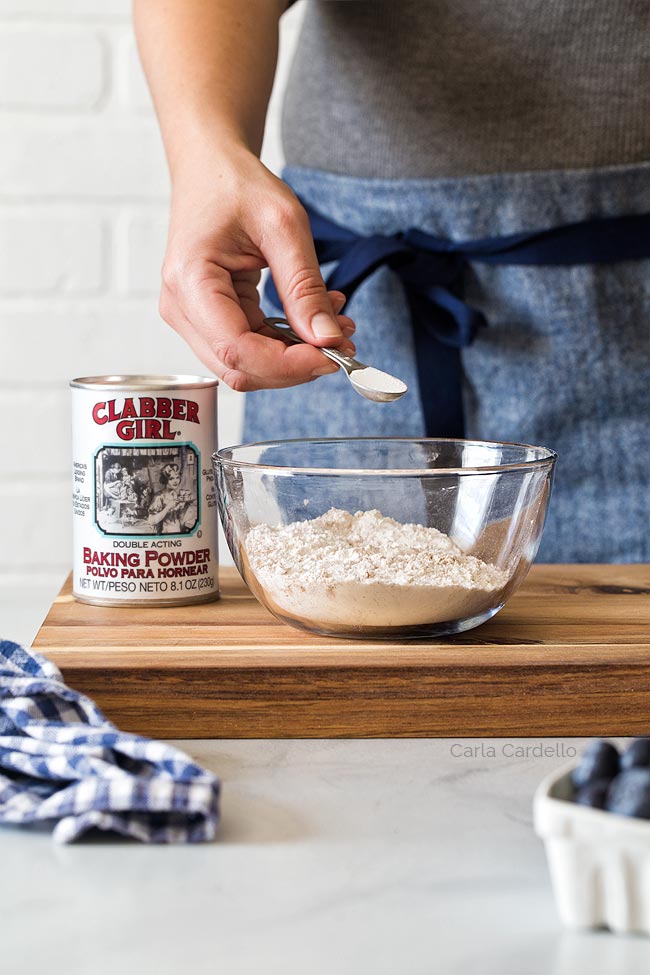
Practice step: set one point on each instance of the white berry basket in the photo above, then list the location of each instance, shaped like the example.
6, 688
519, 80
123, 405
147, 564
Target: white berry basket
599, 861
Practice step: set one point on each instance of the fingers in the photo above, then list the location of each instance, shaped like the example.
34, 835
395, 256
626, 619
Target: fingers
289, 250
347, 326
245, 285
209, 314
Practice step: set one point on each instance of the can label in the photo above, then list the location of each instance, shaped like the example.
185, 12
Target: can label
144, 503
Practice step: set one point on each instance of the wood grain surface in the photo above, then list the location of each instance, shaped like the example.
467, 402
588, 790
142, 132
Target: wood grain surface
568, 655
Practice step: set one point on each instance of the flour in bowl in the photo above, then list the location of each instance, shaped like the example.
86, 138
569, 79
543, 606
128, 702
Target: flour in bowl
365, 570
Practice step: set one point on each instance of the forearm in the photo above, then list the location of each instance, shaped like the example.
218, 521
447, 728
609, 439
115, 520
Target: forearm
210, 66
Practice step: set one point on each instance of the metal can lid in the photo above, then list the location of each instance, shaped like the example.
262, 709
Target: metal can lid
144, 383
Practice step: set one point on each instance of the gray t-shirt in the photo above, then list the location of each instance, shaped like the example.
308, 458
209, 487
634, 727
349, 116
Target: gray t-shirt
427, 88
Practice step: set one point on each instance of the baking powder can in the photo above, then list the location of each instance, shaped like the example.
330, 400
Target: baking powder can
144, 502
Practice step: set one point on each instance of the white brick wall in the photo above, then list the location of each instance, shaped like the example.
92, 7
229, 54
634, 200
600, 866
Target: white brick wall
83, 219
139, 249
76, 78
72, 11
44, 252
132, 88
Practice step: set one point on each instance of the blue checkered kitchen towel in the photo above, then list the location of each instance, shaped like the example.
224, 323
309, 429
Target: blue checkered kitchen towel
60, 759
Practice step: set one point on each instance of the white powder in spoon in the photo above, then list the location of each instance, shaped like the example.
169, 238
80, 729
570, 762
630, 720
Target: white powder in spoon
375, 381
365, 570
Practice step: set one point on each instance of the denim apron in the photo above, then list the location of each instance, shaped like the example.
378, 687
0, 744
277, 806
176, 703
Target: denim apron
564, 361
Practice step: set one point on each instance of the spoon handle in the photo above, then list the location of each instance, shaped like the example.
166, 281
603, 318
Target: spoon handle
282, 327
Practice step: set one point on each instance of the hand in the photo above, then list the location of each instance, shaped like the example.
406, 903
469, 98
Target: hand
230, 218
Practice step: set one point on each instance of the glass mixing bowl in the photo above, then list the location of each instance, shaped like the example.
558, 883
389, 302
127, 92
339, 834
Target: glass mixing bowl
449, 531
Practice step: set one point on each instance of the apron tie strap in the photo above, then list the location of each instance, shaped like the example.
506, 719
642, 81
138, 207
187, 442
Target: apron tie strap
431, 270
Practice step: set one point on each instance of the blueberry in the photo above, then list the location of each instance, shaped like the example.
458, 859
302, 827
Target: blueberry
594, 794
637, 754
629, 793
599, 761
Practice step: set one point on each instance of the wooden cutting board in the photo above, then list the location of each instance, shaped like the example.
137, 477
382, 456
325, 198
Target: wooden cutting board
568, 655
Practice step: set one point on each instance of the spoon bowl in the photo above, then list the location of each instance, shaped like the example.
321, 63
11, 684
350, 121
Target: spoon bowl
375, 385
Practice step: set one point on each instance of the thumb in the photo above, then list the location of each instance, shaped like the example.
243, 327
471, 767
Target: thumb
300, 285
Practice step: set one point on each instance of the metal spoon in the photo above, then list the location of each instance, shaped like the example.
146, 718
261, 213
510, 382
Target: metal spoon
369, 382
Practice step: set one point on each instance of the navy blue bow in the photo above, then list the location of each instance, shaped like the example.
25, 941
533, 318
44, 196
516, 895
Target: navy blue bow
432, 269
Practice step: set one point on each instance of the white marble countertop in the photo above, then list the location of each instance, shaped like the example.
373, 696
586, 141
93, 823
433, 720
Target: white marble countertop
389, 857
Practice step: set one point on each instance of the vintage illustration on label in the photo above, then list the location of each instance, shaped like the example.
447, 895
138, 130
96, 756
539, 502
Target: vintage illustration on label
147, 490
